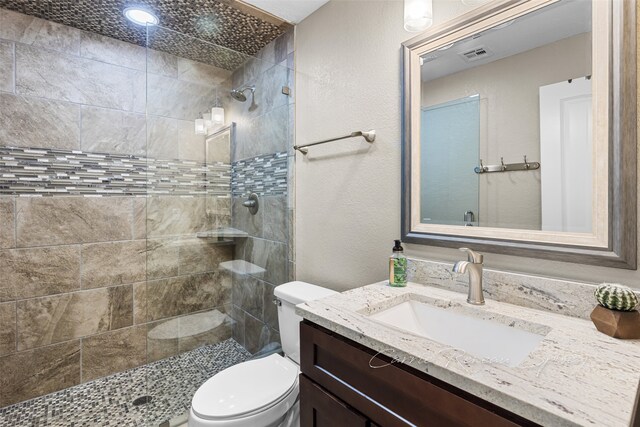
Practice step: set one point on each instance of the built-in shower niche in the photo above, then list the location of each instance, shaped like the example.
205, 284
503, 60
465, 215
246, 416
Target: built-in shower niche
218, 188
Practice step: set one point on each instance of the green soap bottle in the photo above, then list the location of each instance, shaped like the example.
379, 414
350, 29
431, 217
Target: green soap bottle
398, 266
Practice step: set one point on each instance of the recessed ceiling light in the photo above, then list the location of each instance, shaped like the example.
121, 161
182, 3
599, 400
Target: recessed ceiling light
140, 16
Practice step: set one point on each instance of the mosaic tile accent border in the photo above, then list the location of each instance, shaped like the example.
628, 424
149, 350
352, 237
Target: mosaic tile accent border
25, 171
264, 175
171, 383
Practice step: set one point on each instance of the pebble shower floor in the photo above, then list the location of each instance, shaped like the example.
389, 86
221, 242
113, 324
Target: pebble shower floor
108, 401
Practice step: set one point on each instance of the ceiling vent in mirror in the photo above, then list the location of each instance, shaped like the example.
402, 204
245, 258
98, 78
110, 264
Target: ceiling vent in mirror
476, 54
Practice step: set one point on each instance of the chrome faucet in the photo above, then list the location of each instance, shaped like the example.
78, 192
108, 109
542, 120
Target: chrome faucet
474, 266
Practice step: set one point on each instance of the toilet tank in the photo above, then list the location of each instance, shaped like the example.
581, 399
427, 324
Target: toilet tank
291, 294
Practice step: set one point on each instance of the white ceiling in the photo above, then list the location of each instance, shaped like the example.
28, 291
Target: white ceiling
292, 11
547, 25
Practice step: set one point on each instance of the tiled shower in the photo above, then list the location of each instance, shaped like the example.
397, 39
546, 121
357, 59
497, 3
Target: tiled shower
113, 260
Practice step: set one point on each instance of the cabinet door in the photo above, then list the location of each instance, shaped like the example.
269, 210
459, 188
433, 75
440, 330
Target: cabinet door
320, 409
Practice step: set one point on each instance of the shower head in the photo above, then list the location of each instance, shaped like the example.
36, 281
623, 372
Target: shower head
238, 94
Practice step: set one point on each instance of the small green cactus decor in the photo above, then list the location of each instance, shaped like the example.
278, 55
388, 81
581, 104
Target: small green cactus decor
616, 315
616, 297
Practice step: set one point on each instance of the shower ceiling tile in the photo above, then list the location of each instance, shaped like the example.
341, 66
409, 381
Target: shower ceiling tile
228, 23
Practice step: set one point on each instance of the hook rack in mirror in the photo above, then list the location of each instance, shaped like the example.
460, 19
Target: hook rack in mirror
507, 167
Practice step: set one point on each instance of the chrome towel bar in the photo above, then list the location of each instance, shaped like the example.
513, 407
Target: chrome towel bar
369, 136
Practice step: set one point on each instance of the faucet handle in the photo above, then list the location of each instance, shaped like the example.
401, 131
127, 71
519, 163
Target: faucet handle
473, 256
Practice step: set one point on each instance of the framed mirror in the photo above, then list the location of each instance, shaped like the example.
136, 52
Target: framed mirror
520, 131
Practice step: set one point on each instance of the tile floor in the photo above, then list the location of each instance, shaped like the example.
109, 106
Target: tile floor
109, 401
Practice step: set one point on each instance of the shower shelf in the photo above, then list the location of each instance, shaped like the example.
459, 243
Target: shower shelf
241, 267
219, 242
221, 236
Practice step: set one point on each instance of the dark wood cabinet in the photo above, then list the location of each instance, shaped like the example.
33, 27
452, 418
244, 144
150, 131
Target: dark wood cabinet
346, 384
320, 409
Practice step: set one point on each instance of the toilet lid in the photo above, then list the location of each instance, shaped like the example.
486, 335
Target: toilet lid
245, 388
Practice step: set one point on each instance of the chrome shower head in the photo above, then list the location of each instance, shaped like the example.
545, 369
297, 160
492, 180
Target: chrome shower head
238, 94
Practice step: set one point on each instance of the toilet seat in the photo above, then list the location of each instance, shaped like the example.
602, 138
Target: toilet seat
247, 389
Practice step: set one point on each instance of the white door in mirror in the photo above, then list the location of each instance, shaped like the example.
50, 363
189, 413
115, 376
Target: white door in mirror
566, 153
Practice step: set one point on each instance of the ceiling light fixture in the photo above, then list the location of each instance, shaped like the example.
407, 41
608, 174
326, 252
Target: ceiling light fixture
217, 116
140, 16
418, 15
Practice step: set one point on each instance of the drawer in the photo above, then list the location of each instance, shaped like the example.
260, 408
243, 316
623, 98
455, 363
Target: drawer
393, 395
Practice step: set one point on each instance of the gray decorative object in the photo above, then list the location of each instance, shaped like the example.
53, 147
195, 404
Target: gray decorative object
616, 297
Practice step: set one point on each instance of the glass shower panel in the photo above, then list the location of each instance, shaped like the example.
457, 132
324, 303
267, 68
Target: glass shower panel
219, 128
450, 143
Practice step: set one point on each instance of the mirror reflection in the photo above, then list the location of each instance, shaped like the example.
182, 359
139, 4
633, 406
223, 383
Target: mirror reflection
506, 125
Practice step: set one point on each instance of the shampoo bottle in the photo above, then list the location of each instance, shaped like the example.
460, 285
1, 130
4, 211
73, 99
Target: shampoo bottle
398, 266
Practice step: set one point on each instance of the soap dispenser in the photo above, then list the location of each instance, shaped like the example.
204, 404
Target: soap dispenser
398, 266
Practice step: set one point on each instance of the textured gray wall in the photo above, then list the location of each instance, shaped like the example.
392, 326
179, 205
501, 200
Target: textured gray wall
348, 199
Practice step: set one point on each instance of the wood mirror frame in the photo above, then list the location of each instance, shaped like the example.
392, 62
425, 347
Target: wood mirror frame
614, 238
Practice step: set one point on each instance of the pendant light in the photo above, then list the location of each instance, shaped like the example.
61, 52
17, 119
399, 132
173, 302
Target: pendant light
418, 15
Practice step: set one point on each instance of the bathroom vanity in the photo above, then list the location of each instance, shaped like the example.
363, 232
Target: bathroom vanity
338, 386
360, 369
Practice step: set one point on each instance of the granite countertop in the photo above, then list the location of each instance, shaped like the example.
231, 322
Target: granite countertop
576, 375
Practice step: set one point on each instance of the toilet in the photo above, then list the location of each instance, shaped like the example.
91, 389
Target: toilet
261, 392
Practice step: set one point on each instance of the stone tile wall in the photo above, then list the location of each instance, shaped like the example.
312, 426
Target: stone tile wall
90, 286
262, 163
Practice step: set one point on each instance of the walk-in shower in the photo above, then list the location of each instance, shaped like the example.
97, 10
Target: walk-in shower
120, 289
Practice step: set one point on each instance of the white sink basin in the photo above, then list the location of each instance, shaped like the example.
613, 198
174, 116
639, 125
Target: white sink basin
487, 340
